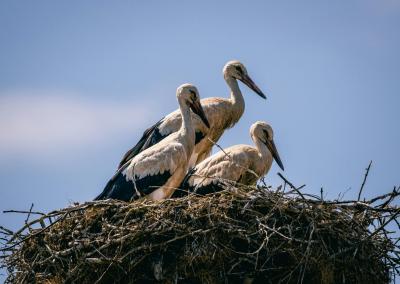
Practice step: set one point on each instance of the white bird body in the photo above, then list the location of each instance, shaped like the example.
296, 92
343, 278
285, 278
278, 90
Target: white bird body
172, 159
243, 164
240, 163
157, 171
222, 113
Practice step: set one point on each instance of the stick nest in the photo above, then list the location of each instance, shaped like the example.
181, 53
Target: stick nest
232, 236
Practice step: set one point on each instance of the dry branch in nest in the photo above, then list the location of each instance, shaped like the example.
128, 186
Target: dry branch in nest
239, 234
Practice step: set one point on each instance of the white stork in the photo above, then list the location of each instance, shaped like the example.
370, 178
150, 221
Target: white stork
243, 164
222, 113
157, 171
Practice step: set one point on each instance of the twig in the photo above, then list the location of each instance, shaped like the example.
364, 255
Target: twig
24, 212
365, 179
7, 231
382, 227
27, 217
292, 186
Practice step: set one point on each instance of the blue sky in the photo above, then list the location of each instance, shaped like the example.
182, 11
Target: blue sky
81, 80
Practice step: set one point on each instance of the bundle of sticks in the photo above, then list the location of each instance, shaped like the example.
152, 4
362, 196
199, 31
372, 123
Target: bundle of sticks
255, 234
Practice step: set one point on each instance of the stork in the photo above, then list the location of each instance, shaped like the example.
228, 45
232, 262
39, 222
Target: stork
157, 171
243, 164
222, 113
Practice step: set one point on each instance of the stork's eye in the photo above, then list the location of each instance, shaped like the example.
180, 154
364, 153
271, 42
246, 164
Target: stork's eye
266, 134
193, 93
238, 69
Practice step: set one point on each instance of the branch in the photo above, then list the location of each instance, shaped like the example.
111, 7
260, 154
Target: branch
365, 179
292, 186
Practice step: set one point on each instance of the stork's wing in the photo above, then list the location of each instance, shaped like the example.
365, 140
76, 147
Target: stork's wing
205, 177
108, 189
126, 190
154, 134
213, 187
120, 188
188, 187
150, 137
146, 172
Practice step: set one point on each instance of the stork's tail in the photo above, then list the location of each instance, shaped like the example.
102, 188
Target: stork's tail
108, 188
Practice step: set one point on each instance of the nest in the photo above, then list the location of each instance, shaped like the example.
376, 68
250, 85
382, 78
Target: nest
246, 234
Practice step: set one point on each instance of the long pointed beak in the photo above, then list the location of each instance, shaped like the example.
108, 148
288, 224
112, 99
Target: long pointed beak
272, 148
198, 109
249, 82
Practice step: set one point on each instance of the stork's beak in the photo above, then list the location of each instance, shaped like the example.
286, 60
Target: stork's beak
198, 109
249, 82
272, 148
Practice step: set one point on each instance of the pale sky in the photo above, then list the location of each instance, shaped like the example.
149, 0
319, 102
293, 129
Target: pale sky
81, 80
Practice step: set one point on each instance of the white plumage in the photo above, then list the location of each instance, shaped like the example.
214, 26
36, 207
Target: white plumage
242, 164
157, 171
222, 113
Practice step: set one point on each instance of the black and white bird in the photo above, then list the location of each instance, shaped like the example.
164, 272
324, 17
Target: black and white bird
242, 164
222, 113
157, 171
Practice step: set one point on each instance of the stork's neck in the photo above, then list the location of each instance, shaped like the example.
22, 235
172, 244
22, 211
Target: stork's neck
236, 98
262, 148
187, 126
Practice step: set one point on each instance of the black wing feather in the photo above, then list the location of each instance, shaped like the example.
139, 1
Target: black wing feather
150, 137
185, 188
108, 188
121, 189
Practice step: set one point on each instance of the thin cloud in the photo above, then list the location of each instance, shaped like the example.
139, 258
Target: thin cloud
47, 122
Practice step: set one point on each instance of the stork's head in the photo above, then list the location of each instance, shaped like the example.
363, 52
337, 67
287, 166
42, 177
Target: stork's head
189, 95
263, 132
236, 70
